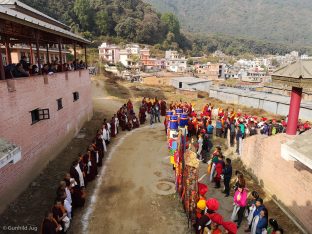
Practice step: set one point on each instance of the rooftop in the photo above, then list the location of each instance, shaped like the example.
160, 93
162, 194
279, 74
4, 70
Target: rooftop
297, 74
21, 7
299, 149
29, 17
261, 95
190, 80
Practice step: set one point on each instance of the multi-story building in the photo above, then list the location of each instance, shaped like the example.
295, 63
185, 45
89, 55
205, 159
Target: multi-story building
109, 53
213, 71
130, 56
147, 62
40, 114
175, 63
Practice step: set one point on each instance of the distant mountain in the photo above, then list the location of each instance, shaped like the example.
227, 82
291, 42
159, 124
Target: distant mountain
282, 21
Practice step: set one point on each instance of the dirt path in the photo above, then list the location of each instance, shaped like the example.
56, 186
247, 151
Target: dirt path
125, 198
128, 200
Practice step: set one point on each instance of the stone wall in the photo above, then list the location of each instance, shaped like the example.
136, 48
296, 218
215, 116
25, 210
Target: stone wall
42, 141
288, 182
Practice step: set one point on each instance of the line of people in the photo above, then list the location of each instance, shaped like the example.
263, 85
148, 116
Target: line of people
154, 108
71, 192
246, 205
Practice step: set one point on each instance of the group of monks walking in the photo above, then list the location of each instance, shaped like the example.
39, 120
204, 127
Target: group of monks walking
71, 192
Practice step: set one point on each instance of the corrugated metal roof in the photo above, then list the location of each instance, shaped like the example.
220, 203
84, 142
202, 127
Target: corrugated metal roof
261, 95
299, 69
23, 5
190, 80
36, 22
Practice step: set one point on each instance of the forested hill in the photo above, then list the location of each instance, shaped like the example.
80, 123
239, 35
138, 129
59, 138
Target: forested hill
285, 21
132, 20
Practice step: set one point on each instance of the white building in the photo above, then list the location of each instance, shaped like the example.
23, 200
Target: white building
175, 63
109, 53
130, 56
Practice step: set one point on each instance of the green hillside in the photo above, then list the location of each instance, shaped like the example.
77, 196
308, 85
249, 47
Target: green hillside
284, 21
131, 20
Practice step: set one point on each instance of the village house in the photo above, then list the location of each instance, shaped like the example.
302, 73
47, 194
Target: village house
213, 71
175, 63
148, 63
130, 56
109, 53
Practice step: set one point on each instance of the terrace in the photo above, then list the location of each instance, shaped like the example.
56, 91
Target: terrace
21, 24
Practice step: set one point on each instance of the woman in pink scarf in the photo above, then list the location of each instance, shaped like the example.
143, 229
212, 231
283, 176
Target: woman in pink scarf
240, 202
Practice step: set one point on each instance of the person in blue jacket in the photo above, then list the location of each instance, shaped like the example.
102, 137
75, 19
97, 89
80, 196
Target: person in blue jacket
260, 222
259, 207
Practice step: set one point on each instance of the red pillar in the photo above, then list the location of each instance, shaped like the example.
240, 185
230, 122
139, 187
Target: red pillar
294, 109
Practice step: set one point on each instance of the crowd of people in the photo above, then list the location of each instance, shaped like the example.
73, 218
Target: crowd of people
247, 204
71, 191
228, 123
25, 69
154, 108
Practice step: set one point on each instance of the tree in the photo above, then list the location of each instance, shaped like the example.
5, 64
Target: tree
101, 21
127, 29
84, 13
275, 63
120, 67
172, 23
190, 61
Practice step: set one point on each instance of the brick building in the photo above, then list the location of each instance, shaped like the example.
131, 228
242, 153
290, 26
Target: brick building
40, 114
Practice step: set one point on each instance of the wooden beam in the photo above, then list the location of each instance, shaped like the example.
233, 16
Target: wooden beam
38, 52
8, 52
2, 74
75, 56
60, 54
31, 54
86, 58
48, 56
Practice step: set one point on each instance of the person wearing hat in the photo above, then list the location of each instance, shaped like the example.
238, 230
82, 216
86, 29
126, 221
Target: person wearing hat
202, 190
273, 226
202, 220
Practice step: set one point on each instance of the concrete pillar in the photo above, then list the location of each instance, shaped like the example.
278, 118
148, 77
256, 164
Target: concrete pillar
294, 109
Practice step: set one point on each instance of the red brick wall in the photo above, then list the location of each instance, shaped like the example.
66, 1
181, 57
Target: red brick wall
288, 182
41, 141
